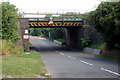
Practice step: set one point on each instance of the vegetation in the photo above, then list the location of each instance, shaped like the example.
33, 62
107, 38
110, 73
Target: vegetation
106, 19
9, 21
104, 56
61, 40
54, 33
107, 57
0, 21
24, 65
13, 48
9, 29
97, 46
18, 65
85, 41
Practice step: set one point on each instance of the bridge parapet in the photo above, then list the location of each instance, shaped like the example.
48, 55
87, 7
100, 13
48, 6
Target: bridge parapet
57, 19
56, 22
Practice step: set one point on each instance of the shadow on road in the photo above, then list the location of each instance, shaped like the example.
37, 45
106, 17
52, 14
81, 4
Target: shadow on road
49, 49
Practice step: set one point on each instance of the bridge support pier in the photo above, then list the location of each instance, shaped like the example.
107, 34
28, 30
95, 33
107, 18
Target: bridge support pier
72, 38
24, 33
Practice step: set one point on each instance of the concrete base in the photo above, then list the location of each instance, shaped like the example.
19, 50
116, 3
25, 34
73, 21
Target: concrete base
94, 51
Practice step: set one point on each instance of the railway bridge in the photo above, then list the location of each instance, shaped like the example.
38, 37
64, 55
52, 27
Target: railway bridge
71, 24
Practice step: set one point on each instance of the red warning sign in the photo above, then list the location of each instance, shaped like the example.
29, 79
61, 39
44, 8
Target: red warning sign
25, 36
50, 21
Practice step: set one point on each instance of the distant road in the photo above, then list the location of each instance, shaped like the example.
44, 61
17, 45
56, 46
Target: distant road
64, 63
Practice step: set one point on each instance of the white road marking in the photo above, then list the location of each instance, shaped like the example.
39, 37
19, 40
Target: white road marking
57, 45
57, 51
110, 71
62, 53
43, 43
71, 57
86, 63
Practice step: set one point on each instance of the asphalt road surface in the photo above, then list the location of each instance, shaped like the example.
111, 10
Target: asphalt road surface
65, 63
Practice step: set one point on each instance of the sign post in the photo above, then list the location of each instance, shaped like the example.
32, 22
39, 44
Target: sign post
24, 31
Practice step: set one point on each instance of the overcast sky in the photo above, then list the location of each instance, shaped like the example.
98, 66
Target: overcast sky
56, 5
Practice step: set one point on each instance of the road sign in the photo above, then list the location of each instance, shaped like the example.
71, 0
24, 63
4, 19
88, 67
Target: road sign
26, 31
25, 36
50, 21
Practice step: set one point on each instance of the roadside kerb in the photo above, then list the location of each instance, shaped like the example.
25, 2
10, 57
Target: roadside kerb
91, 50
58, 42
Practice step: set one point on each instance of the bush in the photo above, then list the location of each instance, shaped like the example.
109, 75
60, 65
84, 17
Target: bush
85, 41
97, 46
9, 48
61, 40
106, 19
9, 21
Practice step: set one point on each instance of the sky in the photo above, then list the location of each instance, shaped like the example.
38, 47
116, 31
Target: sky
81, 6
60, 5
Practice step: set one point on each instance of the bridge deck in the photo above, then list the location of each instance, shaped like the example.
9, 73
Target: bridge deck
57, 22
57, 19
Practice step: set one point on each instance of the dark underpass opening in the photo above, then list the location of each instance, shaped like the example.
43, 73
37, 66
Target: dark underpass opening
47, 39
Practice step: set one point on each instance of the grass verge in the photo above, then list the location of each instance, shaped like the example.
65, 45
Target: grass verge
23, 65
10, 48
61, 40
108, 57
103, 56
96, 46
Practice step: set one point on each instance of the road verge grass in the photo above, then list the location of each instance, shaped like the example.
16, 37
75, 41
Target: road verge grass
103, 56
10, 48
23, 65
61, 40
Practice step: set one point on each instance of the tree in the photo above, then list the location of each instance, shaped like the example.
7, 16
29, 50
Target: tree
0, 20
106, 19
48, 16
9, 21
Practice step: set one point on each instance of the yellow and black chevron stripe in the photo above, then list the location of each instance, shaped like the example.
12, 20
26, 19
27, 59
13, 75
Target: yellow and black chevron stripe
42, 24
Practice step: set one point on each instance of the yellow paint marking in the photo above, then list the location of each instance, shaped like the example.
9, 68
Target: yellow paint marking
31, 23
55, 24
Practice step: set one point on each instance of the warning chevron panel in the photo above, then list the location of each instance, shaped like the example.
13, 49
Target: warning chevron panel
55, 24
